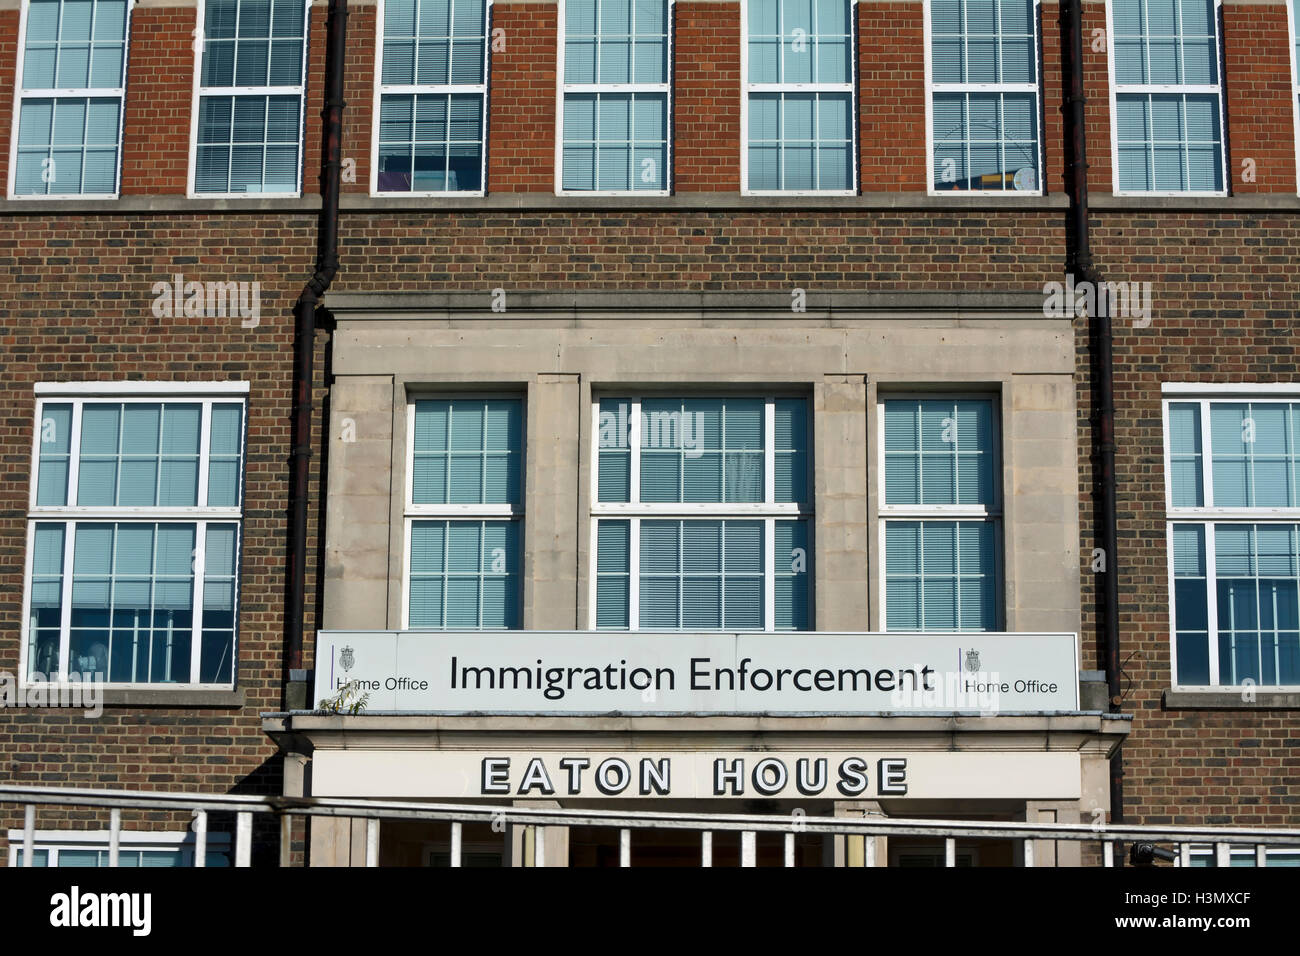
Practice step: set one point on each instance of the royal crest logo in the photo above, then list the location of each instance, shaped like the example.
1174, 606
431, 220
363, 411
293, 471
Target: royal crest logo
973, 661
346, 659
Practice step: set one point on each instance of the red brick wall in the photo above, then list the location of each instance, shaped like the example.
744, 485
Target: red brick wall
1096, 89
359, 95
706, 109
8, 83
159, 101
891, 89
697, 251
75, 305
1261, 120
314, 101
1053, 81
521, 122
1223, 311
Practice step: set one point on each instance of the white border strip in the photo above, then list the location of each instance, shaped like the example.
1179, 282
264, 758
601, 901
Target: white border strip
142, 388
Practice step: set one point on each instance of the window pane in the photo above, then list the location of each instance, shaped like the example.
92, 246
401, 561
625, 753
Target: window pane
464, 574
467, 451
941, 575
613, 556
939, 452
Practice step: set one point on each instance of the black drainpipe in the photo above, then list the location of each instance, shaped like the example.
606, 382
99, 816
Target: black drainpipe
304, 312
1080, 265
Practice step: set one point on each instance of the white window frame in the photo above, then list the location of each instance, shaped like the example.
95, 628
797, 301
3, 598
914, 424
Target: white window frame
1208, 515
205, 394
71, 93
472, 513
134, 841
1178, 88
1199, 851
990, 514
562, 89
201, 91
769, 510
851, 88
441, 89
1292, 26
1036, 88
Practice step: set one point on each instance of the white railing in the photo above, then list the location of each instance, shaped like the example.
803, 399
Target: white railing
535, 820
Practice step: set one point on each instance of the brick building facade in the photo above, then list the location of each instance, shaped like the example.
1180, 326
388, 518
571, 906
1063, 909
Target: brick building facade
919, 285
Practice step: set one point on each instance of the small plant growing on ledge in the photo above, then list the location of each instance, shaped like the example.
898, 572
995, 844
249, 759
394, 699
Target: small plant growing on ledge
349, 700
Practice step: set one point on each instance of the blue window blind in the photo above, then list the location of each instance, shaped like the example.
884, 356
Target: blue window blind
225, 455
464, 574
613, 573
800, 141
132, 601
251, 143
467, 451
615, 41
792, 605
940, 575
1165, 42
791, 450
800, 41
939, 452
702, 450
1168, 140
139, 455
69, 143
433, 91
702, 574
985, 139
614, 462
1258, 619
983, 41
1185, 457
1253, 454
615, 139
55, 430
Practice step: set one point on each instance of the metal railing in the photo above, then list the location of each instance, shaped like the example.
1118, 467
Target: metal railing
245, 808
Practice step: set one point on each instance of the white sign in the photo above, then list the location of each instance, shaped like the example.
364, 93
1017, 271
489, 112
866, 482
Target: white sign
595, 672
838, 775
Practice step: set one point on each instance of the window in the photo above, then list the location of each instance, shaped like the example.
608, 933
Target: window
982, 68
68, 848
940, 516
1167, 124
701, 514
798, 74
432, 91
1234, 538
73, 69
615, 96
133, 536
464, 508
1200, 855
248, 124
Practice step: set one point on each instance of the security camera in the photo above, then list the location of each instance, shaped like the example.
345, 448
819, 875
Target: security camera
1144, 854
